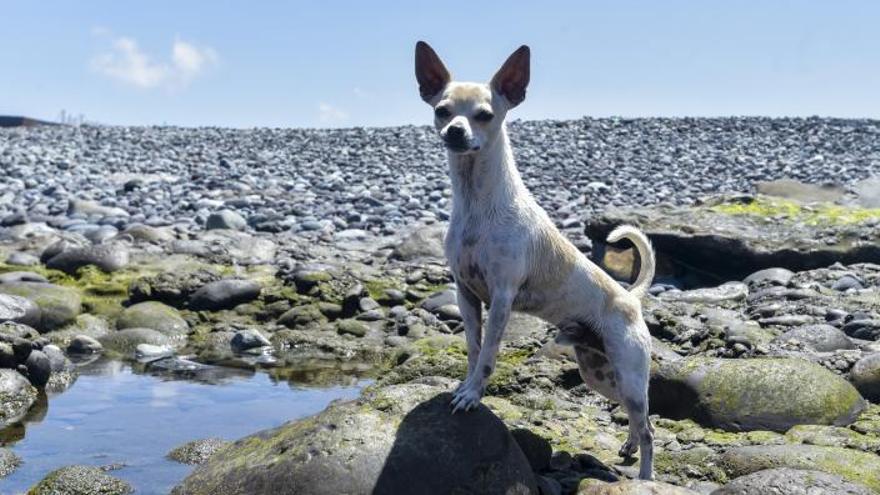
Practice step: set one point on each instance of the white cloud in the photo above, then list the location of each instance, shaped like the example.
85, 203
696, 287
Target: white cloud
127, 62
329, 114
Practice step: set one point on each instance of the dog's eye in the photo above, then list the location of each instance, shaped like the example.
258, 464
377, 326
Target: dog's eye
442, 112
483, 116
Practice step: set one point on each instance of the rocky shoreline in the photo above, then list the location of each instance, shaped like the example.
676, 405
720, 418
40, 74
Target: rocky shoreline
315, 256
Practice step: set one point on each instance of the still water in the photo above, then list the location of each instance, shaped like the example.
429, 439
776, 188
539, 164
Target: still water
113, 415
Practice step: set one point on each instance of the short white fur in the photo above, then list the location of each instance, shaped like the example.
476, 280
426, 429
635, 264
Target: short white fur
506, 253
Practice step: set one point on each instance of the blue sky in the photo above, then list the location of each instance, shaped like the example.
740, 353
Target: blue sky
329, 64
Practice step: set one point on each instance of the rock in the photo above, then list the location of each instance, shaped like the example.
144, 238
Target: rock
423, 242
14, 308
22, 259
17, 395
855, 466
7, 356
731, 237
58, 305
107, 257
769, 276
197, 451
398, 439
863, 329
865, 375
155, 315
8, 462
847, 282
789, 481
80, 480
147, 353
39, 368
352, 327
63, 370
83, 344
798, 191
439, 299
248, 339
631, 487
300, 316
225, 219
224, 294
536, 449
171, 288
126, 341
83, 207
752, 394
9, 277
821, 338
730, 291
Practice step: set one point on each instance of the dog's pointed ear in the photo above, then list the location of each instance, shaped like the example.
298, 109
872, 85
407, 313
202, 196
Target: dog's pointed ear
430, 72
512, 78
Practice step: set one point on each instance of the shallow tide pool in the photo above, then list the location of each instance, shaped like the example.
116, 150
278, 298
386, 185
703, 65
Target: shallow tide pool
112, 415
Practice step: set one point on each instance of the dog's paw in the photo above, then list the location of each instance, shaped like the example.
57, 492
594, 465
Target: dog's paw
465, 399
628, 449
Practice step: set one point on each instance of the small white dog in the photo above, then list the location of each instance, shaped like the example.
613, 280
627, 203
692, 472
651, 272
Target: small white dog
505, 251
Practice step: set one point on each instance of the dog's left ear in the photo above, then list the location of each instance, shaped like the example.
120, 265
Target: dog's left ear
512, 79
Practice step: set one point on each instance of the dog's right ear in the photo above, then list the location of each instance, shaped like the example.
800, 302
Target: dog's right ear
430, 72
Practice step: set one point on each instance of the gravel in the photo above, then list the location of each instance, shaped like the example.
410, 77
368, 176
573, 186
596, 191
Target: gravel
379, 179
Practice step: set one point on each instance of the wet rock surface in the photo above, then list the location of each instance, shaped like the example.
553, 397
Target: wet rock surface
80, 480
395, 440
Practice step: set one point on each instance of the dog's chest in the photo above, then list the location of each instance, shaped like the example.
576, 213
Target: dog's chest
467, 252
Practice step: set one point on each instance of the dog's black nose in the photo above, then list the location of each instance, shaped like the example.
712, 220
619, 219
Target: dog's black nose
455, 133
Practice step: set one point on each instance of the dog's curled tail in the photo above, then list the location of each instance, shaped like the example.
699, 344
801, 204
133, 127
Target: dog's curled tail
646, 255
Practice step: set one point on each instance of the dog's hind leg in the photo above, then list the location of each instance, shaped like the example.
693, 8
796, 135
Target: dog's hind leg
630, 354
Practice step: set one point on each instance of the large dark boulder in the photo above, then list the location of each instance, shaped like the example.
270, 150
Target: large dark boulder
397, 439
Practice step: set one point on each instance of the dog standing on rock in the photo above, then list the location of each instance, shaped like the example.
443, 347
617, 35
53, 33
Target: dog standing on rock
505, 252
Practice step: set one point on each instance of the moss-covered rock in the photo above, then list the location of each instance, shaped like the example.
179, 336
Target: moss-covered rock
399, 439
631, 487
855, 466
197, 451
58, 305
8, 462
789, 481
733, 236
155, 315
17, 395
753, 394
80, 480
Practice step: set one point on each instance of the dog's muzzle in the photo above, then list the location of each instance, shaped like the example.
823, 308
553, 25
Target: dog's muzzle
456, 140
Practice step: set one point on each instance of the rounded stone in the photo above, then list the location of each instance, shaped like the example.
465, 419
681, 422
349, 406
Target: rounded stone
752, 394
155, 315
39, 368
398, 439
789, 481
17, 395
197, 451
107, 257
225, 219
224, 294
58, 305
853, 465
126, 341
83, 344
80, 480
822, 337
865, 375
631, 487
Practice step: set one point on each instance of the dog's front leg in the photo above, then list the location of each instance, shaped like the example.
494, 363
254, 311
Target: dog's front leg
470, 392
472, 317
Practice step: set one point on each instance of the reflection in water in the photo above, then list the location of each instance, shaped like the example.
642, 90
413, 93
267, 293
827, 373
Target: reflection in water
114, 414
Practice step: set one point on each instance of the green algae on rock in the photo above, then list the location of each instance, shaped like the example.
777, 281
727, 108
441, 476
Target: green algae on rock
853, 465
80, 480
732, 236
753, 394
397, 439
